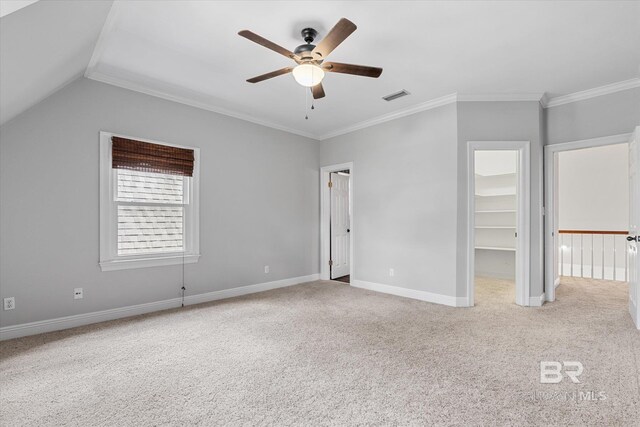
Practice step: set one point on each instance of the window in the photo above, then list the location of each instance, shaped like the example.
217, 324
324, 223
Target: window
148, 203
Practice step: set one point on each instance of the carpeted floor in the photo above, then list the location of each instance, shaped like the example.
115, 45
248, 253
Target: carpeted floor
329, 354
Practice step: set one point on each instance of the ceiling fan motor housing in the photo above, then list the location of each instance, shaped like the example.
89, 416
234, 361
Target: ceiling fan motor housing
304, 50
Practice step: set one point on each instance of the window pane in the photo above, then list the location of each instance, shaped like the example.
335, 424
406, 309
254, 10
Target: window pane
134, 186
150, 229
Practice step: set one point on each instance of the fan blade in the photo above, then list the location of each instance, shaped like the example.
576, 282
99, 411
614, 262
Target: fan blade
271, 75
318, 91
268, 44
336, 35
358, 70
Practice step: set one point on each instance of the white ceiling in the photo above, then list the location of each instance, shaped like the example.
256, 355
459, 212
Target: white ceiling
44, 46
10, 6
190, 51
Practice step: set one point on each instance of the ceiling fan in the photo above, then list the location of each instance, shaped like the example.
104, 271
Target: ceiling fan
310, 58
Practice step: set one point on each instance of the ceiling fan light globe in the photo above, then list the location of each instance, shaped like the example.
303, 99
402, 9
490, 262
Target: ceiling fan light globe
308, 75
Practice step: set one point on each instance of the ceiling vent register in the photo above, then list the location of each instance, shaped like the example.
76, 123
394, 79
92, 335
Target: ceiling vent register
396, 95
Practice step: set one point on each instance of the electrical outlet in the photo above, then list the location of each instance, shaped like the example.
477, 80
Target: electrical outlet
77, 293
266, 269
9, 303
391, 272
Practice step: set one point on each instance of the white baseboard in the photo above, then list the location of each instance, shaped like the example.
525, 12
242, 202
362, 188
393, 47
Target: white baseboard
537, 301
42, 326
556, 283
412, 293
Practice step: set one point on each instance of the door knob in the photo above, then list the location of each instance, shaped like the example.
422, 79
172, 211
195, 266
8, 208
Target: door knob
348, 230
632, 238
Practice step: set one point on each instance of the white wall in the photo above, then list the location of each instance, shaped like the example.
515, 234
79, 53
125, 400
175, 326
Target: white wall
404, 181
490, 163
593, 187
259, 202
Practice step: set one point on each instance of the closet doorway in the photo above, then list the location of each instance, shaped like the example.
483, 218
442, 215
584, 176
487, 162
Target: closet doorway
499, 220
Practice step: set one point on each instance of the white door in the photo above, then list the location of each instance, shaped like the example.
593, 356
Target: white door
339, 223
634, 227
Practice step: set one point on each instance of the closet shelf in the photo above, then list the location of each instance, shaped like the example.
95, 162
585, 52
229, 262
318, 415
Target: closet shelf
506, 227
496, 211
496, 248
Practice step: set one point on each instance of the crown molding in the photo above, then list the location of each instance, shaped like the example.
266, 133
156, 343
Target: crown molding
501, 97
428, 105
594, 92
435, 103
544, 101
92, 74
125, 84
543, 98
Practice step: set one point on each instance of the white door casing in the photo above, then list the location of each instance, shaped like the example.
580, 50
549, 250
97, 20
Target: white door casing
551, 201
523, 215
339, 224
634, 227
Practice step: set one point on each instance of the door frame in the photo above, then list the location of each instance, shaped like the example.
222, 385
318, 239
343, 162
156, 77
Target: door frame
551, 279
325, 214
523, 215
634, 301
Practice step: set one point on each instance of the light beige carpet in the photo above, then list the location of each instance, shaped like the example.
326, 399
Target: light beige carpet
328, 354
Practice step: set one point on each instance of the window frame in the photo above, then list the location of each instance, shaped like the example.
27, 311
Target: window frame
109, 258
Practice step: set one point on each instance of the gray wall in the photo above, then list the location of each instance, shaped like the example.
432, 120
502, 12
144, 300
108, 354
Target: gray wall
259, 195
259, 202
501, 121
411, 191
605, 115
405, 199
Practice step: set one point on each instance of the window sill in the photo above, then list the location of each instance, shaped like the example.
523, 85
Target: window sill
124, 264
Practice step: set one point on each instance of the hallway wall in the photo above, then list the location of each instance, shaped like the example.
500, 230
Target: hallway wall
594, 188
606, 115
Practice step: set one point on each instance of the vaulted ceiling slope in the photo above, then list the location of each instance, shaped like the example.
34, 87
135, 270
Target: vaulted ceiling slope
44, 46
189, 51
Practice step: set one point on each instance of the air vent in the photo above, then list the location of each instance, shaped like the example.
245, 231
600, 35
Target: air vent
396, 95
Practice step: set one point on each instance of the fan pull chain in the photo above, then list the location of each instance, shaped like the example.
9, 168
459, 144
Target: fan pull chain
306, 105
